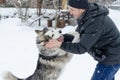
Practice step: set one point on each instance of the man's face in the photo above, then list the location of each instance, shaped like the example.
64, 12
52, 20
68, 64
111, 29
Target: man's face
76, 12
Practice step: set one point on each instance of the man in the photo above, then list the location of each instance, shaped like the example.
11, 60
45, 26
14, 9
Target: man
98, 36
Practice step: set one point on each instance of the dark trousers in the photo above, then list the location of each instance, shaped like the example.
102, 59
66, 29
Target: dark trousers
103, 72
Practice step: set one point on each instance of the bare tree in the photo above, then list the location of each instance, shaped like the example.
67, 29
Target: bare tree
22, 7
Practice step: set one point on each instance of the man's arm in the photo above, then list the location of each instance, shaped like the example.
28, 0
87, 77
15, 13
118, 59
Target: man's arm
87, 40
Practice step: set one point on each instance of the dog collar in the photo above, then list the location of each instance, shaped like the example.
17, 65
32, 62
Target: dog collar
47, 57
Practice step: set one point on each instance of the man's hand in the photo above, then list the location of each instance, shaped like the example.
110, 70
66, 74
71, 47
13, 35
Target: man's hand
53, 43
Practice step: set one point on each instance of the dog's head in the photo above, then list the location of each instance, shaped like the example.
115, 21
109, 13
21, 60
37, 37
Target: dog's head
44, 36
55, 56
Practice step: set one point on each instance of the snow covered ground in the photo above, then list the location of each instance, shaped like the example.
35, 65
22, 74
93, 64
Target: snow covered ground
18, 51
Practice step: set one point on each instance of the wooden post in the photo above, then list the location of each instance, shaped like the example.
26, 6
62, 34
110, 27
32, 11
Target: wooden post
60, 23
49, 23
39, 6
64, 4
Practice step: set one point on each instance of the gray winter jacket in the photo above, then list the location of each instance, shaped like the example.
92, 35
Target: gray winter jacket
99, 36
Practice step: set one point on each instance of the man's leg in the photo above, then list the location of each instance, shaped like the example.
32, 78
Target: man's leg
103, 72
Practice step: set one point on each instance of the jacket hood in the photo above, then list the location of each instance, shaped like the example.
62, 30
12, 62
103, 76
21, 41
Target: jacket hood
95, 10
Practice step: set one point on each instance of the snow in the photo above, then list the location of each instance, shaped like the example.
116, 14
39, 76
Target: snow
19, 53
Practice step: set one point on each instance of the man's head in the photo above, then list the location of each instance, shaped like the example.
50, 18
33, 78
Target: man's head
77, 7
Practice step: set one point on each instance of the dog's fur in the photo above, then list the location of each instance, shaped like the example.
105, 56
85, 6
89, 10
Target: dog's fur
51, 61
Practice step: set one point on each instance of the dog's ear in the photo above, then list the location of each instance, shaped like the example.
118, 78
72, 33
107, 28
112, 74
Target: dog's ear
45, 30
37, 31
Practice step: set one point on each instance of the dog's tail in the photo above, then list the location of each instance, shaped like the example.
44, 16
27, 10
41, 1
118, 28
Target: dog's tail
9, 76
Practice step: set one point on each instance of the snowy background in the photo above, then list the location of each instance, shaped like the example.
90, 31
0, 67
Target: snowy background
19, 54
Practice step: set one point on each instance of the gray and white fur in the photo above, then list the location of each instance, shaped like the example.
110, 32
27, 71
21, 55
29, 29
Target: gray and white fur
51, 62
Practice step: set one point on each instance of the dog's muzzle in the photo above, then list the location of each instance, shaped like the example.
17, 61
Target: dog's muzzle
47, 38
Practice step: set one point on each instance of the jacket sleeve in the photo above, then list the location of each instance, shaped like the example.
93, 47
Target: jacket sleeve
68, 38
91, 35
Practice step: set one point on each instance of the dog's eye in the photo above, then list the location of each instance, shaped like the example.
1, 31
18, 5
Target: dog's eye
52, 35
60, 31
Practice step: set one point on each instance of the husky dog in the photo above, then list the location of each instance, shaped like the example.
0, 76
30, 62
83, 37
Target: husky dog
51, 61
